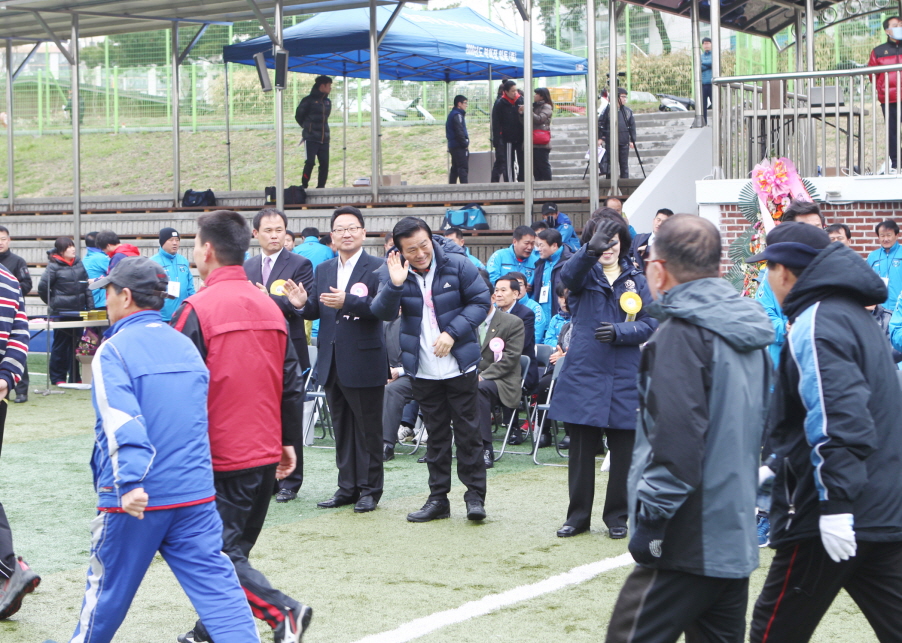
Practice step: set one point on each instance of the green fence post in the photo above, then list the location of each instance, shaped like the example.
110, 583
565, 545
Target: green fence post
629, 55
116, 99
169, 83
359, 99
40, 102
194, 97
106, 72
231, 88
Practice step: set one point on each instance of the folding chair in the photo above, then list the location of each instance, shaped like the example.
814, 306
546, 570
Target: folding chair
322, 407
537, 422
524, 401
543, 357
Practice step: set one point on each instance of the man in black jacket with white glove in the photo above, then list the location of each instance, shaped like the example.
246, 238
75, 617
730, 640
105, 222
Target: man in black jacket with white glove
458, 141
18, 268
836, 513
312, 114
704, 381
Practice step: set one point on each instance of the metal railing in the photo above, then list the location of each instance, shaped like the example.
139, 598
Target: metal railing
829, 123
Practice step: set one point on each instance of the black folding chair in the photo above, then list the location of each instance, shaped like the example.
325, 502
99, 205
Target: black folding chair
524, 402
321, 410
540, 413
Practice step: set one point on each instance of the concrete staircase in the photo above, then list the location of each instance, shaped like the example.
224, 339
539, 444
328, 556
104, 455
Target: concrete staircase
655, 135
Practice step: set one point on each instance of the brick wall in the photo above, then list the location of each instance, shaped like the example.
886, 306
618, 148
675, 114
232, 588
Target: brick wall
860, 217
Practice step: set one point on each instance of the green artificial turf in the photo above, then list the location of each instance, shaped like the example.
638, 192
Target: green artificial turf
363, 574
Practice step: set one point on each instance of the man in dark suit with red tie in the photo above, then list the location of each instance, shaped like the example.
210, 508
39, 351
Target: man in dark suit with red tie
352, 361
269, 271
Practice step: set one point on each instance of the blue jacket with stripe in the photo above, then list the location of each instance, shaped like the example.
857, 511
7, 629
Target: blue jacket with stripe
150, 398
834, 425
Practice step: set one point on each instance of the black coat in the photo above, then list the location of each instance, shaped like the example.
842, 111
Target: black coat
353, 335
834, 426
288, 266
507, 122
18, 267
66, 286
626, 125
312, 114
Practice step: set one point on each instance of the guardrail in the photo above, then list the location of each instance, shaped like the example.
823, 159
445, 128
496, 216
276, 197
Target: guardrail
829, 123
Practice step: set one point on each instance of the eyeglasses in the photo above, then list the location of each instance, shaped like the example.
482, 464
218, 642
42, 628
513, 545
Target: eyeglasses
353, 230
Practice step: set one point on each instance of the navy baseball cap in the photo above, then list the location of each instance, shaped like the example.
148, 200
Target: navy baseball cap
792, 244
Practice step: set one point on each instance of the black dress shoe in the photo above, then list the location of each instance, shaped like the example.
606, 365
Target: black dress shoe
20, 398
565, 443
567, 531
421, 460
489, 458
335, 501
616, 533
545, 440
517, 436
432, 510
475, 510
388, 452
366, 503
285, 495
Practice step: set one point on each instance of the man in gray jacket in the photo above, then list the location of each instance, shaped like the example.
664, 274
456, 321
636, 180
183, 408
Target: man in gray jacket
704, 380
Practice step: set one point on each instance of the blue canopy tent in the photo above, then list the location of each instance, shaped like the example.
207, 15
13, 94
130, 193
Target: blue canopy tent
447, 45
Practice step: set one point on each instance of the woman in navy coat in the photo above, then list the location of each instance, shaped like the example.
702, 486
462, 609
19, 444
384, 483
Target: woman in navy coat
596, 394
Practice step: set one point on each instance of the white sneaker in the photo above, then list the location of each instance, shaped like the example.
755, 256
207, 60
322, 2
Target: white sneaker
405, 433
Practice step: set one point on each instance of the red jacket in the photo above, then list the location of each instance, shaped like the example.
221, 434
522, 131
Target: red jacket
255, 385
889, 53
122, 251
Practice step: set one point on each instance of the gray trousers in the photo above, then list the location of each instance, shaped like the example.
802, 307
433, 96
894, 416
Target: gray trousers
397, 395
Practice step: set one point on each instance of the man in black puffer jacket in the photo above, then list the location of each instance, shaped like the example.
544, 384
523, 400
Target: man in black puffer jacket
312, 114
443, 300
836, 517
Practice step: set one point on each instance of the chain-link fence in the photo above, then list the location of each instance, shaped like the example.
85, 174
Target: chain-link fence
126, 100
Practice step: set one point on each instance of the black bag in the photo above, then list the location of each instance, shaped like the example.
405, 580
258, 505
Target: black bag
470, 218
294, 195
195, 199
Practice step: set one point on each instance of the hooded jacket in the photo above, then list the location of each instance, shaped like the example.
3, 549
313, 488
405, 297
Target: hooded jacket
704, 380
834, 426
63, 287
312, 114
461, 299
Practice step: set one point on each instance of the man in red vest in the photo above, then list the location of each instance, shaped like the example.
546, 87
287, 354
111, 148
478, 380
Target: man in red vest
230, 321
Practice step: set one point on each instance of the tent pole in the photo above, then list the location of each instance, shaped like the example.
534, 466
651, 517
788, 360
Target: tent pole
592, 103
447, 154
809, 34
613, 100
76, 137
280, 116
374, 104
491, 109
228, 128
697, 68
715, 94
527, 116
174, 91
10, 144
344, 134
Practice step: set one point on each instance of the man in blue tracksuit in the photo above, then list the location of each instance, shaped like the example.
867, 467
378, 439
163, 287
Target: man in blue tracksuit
561, 222
312, 249
96, 263
886, 260
152, 467
518, 257
177, 269
552, 255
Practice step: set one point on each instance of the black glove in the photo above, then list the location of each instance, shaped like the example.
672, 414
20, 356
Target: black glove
604, 238
648, 539
606, 333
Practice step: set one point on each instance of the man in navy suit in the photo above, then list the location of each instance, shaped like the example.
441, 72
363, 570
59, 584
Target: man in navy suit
352, 361
269, 270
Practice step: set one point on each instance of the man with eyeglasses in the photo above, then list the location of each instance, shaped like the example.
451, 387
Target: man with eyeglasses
352, 362
886, 260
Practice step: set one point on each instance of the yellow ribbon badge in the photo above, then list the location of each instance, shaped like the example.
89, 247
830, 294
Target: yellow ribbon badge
278, 287
631, 303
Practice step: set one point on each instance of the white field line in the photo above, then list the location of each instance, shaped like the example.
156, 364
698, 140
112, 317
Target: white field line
422, 626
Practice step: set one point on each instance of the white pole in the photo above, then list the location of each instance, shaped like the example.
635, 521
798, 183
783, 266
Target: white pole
374, 104
175, 91
527, 116
592, 104
280, 119
697, 79
344, 134
715, 94
76, 137
10, 147
613, 100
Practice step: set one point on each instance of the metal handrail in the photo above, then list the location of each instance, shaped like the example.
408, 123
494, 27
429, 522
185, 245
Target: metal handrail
861, 71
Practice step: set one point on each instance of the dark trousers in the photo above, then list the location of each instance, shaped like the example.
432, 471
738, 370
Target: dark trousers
22, 386
357, 422
803, 581
623, 156
498, 167
294, 481
397, 395
585, 442
657, 605
890, 116
316, 152
242, 500
7, 555
488, 398
441, 402
460, 165
541, 163
707, 99
63, 365
512, 152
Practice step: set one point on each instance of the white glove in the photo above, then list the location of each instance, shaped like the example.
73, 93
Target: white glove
765, 473
838, 536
